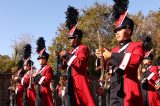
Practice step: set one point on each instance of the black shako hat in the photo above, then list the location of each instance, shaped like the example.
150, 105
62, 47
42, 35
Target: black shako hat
149, 55
41, 49
28, 63
76, 34
44, 54
126, 23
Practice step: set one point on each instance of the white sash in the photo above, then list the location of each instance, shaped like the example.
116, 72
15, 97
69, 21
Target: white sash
43, 77
123, 48
22, 80
125, 61
72, 58
126, 57
74, 50
40, 72
150, 75
149, 67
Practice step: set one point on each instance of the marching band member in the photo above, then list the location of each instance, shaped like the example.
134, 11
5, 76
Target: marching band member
60, 89
149, 78
125, 59
19, 88
29, 91
43, 77
76, 61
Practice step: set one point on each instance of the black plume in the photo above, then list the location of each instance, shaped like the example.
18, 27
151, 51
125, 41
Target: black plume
20, 64
119, 8
40, 44
27, 51
72, 16
147, 43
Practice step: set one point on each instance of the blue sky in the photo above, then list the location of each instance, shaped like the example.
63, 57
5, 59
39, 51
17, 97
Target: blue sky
42, 17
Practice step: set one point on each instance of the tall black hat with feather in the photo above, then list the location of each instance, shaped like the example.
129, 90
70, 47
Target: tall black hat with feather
72, 16
147, 45
20, 68
20, 64
120, 15
41, 49
27, 55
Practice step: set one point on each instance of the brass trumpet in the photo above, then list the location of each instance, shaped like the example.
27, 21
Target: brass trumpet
30, 80
101, 59
103, 80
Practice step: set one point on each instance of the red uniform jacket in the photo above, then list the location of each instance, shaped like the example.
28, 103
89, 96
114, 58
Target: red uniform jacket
79, 72
129, 63
31, 94
45, 80
153, 97
19, 94
19, 88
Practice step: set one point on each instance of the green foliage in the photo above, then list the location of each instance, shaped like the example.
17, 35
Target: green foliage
156, 36
148, 26
6, 63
